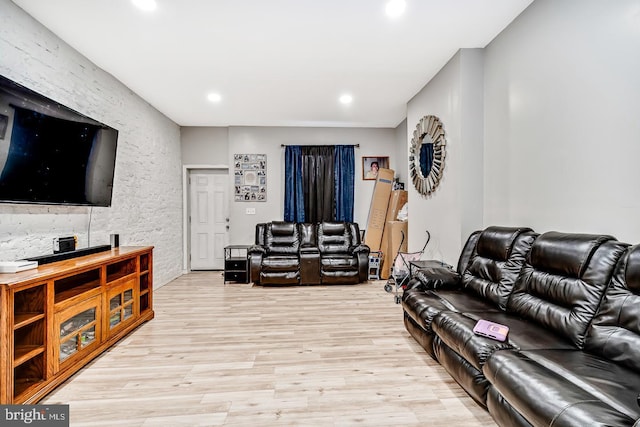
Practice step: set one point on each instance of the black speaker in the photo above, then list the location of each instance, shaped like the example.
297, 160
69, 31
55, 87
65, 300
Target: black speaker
115, 240
64, 244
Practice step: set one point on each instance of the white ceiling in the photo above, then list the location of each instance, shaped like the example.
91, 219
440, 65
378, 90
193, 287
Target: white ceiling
275, 62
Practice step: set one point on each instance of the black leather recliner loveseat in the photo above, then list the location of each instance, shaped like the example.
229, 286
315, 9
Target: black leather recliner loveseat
572, 303
289, 253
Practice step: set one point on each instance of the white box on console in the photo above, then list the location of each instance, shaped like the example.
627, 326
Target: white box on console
15, 266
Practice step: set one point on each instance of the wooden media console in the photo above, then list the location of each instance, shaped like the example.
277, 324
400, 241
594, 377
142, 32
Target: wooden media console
58, 317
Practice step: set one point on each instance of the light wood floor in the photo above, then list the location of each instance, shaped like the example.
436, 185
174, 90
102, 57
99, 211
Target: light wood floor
240, 355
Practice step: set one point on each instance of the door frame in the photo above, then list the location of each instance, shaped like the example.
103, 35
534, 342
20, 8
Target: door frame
186, 248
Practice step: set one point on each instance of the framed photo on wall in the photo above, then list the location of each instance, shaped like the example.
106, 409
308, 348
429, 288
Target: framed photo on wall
250, 175
371, 165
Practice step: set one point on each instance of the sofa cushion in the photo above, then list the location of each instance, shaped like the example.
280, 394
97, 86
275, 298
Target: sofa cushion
465, 374
614, 384
496, 263
565, 254
495, 242
334, 238
524, 334
337, 262
456, 331
563, 388
282, 238
423, 306
563, 281
280, 263
615, 331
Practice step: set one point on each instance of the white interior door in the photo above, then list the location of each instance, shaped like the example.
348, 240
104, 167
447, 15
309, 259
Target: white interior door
209, 218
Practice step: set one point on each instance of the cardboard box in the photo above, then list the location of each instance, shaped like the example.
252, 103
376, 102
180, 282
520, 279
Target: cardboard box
394, 231
396, 202
378, 209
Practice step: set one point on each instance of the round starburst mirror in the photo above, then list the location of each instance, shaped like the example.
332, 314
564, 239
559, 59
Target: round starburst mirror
426, 154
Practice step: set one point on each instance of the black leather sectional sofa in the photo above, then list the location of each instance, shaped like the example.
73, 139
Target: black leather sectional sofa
572, 304
287, 253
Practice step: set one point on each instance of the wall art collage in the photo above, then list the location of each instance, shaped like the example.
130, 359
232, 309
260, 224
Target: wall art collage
250, 177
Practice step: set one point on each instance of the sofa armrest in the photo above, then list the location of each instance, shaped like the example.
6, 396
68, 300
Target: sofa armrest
361, 252
255, 253
257, 249
309, 250
310, 265
435, 278
360, 249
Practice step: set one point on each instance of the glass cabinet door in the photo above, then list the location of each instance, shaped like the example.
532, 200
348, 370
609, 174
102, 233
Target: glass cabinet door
121, 306
77, 332
77, 328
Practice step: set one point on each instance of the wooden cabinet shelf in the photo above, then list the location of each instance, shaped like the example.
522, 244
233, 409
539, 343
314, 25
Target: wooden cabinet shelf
64, 314
120, 269
28, 377
23, 319
80, 292
25, 352
77, 286
145, 284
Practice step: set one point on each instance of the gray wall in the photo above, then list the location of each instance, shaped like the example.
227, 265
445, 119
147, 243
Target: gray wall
562, 133
204, 144
401, 152
147, 196
268, 140
216, 146
455, 208
542, 128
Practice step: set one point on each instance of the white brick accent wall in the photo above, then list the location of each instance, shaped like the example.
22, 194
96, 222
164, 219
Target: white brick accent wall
147, 198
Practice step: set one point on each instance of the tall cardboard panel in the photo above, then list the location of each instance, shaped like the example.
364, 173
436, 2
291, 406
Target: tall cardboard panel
396, 202
395, 244
378, 209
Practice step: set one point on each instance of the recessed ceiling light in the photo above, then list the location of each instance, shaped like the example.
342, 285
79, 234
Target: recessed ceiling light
346, 99
395, 8
147, 5
214, 97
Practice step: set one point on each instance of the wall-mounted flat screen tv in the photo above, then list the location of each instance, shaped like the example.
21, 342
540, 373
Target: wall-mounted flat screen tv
51, 154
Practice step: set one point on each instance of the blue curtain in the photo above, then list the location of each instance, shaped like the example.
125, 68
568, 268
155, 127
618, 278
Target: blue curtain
303, 175
293, 190
344, 173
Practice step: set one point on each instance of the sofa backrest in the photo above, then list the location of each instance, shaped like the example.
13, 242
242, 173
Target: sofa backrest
260, 230
334, 237
615, 331
496, 261
355, 234
282, 238
308, 235
563, 281
467, 250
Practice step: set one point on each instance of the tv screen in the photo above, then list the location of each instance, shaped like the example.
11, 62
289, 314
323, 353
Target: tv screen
50, 154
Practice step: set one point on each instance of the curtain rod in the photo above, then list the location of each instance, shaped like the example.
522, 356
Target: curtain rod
355, 145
